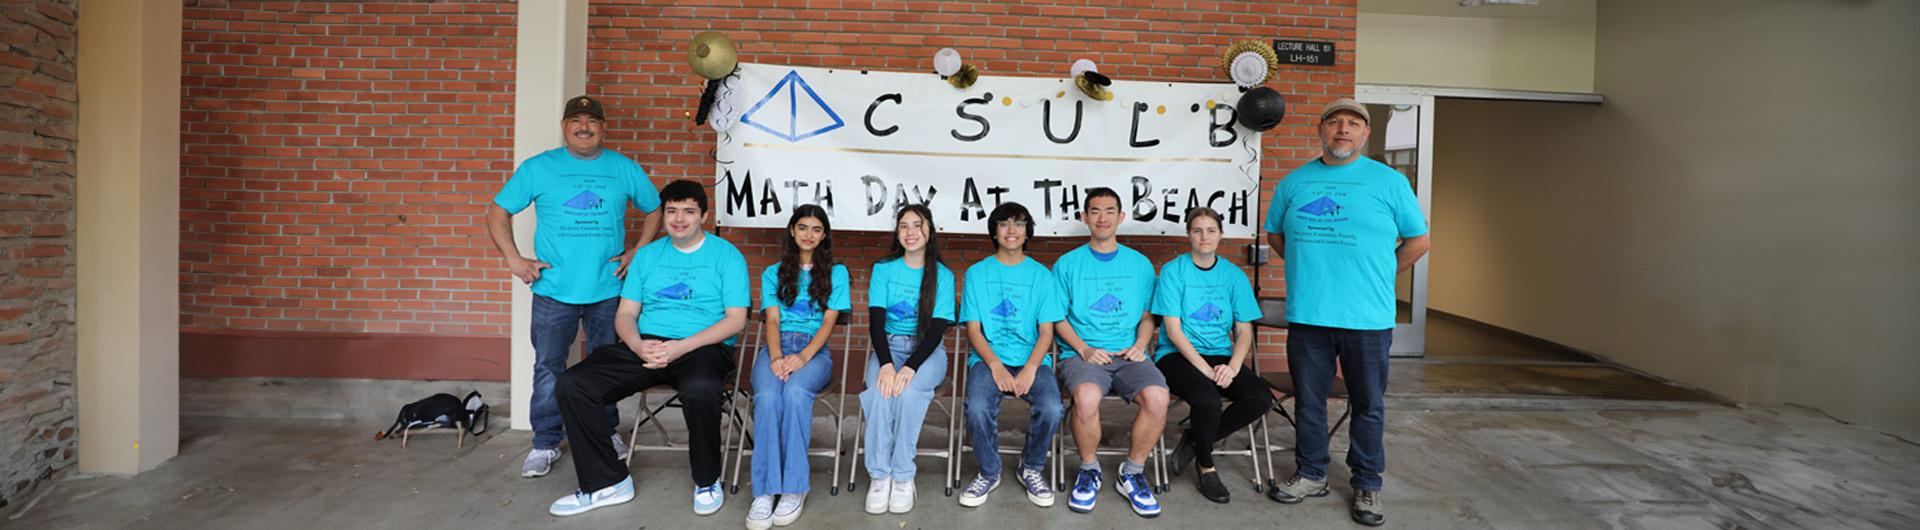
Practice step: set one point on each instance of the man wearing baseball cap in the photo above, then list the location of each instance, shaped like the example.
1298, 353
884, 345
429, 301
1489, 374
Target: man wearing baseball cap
1345, 226
580, 192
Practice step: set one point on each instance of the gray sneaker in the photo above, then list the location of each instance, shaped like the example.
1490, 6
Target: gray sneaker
1038, 492
1367, 509
1296, 489
539, 462
976, 492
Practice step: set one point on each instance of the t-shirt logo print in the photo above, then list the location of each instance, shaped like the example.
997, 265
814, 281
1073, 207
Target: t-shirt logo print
1005, 309
678, 291
1323, 206
586, 200
902, 310
1107, 303
801, 307
1207, 313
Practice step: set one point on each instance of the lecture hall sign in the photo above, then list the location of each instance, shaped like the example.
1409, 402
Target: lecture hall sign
1304, 52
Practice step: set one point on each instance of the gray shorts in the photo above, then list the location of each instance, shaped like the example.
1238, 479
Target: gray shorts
1121, 377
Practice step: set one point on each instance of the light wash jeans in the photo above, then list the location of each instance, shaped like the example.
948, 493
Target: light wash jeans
783, 416
894, 424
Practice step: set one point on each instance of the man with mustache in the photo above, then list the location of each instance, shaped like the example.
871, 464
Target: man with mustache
1344, 225
581, 192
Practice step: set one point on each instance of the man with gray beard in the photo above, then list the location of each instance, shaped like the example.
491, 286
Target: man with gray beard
1344, 225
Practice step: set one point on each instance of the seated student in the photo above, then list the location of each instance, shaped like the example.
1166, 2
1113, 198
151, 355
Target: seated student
1009, 305
1105, 341
803, 295
910, 305
1207, 308
692, 287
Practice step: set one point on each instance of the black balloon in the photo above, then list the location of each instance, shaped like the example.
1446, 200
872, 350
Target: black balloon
1261, 109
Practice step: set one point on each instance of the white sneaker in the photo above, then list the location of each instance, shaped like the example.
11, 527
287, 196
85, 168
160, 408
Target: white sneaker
708, 499
580, 501
901, 500
539, 462
789, 509
878, 491
760, 515
620, 447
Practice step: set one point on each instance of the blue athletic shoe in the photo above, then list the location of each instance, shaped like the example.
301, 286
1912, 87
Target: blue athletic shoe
1134, 487
1086, 489
581, 502
708, 499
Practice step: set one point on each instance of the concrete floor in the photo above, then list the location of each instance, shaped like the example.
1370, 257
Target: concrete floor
1487, 431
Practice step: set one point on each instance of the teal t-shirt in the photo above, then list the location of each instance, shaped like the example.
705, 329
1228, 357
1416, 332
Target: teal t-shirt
803, 315
581, 208
896, 287
682, 293
1208, 303
1105, 298
1010, 303
1342, 224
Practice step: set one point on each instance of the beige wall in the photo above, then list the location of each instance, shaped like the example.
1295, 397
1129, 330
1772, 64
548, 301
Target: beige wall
1438, 43
1742, 215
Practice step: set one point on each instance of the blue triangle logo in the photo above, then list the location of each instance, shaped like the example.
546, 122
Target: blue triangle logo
1107, 303
586, 200
1323, 206
678, 291
902, 311
1005, 309
1207, 313
801, 307
788, 116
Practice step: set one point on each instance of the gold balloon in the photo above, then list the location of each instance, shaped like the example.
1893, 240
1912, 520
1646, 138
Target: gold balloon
712, 55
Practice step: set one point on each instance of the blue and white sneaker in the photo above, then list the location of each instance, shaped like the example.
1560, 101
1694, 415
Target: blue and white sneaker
1134, 487
581, 502
708, 499
1086, 490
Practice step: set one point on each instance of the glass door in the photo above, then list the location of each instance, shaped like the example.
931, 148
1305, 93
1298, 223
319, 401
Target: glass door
1403, 139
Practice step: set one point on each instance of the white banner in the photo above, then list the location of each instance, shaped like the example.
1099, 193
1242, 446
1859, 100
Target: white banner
862, 144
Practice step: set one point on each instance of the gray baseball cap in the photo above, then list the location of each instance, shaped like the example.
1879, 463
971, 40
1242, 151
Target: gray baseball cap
1346, 104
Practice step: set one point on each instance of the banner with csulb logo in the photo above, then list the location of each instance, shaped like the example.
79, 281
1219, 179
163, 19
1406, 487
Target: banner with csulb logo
863, 144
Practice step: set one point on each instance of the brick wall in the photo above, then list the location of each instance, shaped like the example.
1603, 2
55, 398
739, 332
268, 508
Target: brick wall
637, 50
38, 127
334, 157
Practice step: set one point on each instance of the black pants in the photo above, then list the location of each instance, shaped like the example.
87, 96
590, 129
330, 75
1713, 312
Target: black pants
1249, 393
613, 372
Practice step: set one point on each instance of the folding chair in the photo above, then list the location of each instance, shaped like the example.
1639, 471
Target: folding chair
1273, 314
844, 325
1157, 478
951, 406
729, 413
1012, 450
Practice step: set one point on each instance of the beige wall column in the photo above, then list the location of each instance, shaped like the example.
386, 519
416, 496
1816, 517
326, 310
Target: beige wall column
128, 234
551, 66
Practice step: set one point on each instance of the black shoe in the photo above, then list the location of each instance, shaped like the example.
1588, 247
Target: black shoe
1367, 510
1182, 455
1211, 488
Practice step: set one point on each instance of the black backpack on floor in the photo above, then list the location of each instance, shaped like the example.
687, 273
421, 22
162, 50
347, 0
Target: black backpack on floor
442, 410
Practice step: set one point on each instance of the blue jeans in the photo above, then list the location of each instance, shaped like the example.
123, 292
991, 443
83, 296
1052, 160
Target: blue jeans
555, 323
1362, 354
894, 424
983, 417
783, 416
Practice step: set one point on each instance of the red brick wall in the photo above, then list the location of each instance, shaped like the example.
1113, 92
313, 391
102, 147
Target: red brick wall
637, 52
334, 158
38, 127
336, 154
